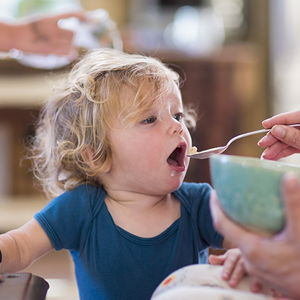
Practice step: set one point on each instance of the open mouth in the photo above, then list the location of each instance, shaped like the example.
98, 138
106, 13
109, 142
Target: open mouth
177, 156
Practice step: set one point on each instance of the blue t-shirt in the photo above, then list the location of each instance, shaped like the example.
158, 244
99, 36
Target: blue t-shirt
111, 263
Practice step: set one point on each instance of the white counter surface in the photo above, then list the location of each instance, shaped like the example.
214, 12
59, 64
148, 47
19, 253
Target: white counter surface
26, 91
16, 211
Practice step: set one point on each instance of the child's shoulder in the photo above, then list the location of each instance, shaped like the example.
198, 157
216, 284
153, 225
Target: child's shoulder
192, 194
191, 188
82, 193
85, 189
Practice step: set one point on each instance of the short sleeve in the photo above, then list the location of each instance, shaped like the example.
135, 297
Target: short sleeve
204, 219
67, 218
196, 199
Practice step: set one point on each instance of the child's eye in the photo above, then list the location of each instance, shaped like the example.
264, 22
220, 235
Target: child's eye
178, 117
149, 120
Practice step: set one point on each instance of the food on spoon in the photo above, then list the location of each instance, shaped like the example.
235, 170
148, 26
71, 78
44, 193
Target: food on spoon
192, 150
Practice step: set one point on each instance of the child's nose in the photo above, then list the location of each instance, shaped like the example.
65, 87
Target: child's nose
176, 127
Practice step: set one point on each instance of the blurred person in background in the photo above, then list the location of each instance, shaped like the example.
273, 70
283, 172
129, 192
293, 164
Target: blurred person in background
274, 260
39, 34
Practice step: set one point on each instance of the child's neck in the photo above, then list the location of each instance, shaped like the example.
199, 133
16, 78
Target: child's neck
142, 215
136, 201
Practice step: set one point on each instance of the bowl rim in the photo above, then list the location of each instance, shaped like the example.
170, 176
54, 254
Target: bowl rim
248, 161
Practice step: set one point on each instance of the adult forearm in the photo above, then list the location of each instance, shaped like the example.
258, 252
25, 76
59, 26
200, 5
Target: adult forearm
9, 34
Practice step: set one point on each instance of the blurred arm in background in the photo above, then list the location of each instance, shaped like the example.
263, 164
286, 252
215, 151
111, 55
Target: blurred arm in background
39, 34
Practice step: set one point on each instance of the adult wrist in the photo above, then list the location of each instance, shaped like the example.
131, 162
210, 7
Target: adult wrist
16, 36
8, 36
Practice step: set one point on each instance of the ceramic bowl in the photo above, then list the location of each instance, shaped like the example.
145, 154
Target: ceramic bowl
249, 190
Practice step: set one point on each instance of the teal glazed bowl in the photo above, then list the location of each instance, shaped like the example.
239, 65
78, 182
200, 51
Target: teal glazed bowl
248, 190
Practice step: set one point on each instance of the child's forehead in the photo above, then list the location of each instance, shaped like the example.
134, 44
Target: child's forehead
166, 101
158, 95
150, 90
136, 103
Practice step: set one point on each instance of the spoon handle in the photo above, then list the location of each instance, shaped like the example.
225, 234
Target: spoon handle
217, 150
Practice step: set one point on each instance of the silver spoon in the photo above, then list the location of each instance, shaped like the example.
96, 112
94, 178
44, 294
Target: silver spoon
207, 153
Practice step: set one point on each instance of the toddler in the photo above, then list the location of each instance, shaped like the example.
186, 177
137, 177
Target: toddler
111, 147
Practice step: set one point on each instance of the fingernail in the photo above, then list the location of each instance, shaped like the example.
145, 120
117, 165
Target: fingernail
263, 155
266, 120
279, 131
224, 275
261, 140
232, 282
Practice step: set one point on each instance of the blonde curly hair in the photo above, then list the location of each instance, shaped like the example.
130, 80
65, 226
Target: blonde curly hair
84, 107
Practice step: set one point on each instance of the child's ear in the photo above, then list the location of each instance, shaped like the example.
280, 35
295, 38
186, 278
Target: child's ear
88, 156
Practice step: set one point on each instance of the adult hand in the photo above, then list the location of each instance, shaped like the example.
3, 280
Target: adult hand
40, 35
276, 260
282, 140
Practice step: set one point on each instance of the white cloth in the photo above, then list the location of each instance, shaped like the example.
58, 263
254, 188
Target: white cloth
198, 282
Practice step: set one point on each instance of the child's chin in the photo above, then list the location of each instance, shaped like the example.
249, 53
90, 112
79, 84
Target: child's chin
177, 181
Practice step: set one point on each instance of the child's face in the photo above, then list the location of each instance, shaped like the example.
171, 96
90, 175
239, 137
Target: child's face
145, 159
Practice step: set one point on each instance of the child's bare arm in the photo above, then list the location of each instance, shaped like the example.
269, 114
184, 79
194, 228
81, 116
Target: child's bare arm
21, 247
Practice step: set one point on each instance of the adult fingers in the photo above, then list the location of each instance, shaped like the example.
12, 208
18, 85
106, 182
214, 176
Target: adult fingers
223, 224
288, 135
247, 241
252, 245
277, 151
284, 118
267, 141
291, 196
285, 153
